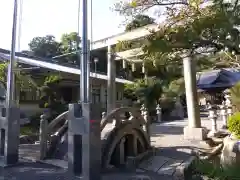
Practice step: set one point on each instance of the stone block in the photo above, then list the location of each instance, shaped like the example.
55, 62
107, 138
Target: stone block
231, 152
191, 133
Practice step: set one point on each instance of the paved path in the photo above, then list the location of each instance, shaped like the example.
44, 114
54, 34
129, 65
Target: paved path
173, 151
37, 171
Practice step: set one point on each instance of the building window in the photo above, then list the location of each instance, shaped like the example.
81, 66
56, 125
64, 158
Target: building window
119, 96
96, 95
29, 95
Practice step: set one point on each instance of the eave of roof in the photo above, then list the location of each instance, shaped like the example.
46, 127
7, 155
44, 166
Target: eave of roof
125, 36
56, 67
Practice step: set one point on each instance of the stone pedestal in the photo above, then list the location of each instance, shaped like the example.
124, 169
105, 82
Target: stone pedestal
195, 133
231, 152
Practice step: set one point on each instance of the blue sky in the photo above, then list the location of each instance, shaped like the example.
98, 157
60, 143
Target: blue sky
55, 17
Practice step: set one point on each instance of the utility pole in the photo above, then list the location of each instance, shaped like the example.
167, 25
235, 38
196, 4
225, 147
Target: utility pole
91, 141
10, 77
10, 125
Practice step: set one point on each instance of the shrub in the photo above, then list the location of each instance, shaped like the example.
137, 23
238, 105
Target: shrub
215, 171
235, 96
234, 124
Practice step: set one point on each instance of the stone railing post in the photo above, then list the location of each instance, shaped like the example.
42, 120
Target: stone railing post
142, 109
223, 114
159, 113
43, 136
228, 106
144, 113
213, 117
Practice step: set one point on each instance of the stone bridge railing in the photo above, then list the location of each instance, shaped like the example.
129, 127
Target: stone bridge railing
116, 116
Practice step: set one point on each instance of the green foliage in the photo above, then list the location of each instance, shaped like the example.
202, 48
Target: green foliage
52, 80
235, 95
215, 171
139, 21
28, 130
147, 92
70, 43
45, 47
177, 87
51, 98
48, 47
22, 80
234, 124
195, 26
192, 26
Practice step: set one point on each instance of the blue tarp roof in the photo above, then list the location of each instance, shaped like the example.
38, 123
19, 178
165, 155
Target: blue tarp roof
223, 78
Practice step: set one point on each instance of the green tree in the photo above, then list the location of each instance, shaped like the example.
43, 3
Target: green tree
22, 79
147, 92
207, 30
69, 46
195, 25
45, 47
139, 21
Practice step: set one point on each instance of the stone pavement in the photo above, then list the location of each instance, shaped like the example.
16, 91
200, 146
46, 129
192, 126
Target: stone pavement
172, 154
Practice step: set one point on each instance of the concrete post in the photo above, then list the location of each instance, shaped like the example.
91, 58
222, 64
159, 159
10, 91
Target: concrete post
223, 114
84, 138
43, 136
111, 87
9, 136
159, 113
193, 130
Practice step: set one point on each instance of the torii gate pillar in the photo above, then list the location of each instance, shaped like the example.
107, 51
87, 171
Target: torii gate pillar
111, 83
194, 130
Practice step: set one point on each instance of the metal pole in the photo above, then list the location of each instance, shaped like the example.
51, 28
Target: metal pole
85, 51
10, 77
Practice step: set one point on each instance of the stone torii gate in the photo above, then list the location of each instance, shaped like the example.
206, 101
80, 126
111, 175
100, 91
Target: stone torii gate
194, 130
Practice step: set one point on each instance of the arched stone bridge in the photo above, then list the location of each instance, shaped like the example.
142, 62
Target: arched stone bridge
127, 138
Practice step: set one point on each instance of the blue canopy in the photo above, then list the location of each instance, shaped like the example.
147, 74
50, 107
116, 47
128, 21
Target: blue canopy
223, 78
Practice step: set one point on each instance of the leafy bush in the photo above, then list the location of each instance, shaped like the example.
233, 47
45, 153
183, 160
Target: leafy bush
214, 170
28, 130
147, 92
235, 96
234, 124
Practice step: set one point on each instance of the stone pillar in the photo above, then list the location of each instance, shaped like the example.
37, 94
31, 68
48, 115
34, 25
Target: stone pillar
213, 118
228, 104
145, 115
159, 113
103, 115
223, 114
43, 136
193, 130
111, 85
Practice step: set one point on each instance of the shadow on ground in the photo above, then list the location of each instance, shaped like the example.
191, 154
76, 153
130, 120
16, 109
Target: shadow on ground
176, 152
35, 171
166, 129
